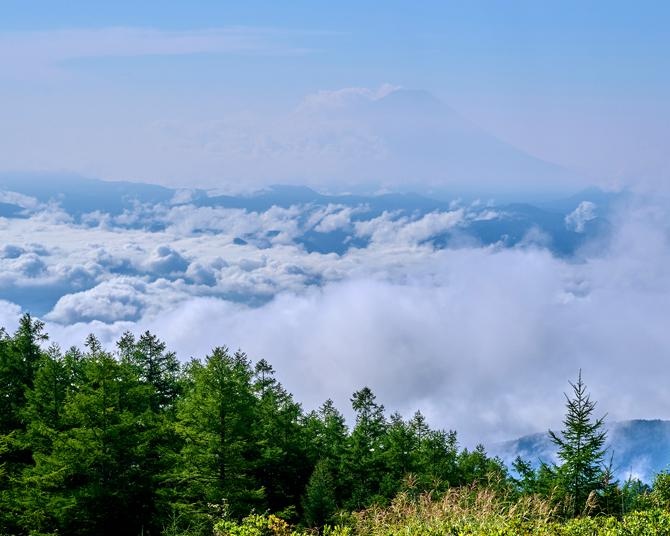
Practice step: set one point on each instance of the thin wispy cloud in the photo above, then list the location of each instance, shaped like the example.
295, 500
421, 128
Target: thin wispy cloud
44, 53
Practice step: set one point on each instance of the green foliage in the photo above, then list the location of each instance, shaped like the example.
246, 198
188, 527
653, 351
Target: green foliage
528, 479
326, 437
473, 511
365, 455
20, 356
477, 467
19, 359
215, 421
479, 515
461, 512
319, 502
437, 465
255, 525
279, 441
92, 473
154, 366
660, 495
635, 495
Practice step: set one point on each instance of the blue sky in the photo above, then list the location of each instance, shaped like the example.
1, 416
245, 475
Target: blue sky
581, 84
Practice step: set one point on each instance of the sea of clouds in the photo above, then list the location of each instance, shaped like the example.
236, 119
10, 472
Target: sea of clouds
481, 339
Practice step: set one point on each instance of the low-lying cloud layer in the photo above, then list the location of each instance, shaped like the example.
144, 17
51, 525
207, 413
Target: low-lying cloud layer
481, 337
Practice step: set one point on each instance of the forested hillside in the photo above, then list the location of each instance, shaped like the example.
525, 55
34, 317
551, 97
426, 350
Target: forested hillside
133, 442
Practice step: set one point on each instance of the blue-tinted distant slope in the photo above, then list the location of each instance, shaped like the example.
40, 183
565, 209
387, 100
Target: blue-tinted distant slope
640, 448
512, 224
287, 196
78, 195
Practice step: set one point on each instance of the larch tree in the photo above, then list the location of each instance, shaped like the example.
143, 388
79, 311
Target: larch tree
364, 461
216, 418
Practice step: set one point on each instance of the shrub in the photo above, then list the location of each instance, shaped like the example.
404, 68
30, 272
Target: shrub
463, 512
255, 525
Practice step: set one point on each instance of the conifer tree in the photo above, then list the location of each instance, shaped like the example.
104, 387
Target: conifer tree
476, 466
159, 371
326, 434
19, 359
20, 356
400, 448
279, 443
437, 455
319, 502
155, 366
580, 448
216, 422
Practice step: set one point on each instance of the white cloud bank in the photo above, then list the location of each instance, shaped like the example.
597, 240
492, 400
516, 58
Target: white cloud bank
482, 340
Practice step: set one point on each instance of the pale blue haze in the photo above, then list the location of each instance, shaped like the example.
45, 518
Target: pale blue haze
583, 85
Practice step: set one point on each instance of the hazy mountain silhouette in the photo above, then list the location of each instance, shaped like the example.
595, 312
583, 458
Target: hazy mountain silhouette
409, 137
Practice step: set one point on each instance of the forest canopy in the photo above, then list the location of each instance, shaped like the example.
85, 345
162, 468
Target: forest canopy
131, 441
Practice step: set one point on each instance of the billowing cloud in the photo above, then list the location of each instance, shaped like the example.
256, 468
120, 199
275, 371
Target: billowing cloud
201, 275
166, 261
118, 299
387, 229
30, 265
584, 213
332, 218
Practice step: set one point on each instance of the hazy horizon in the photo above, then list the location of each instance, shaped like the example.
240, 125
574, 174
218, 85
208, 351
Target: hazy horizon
438, 96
